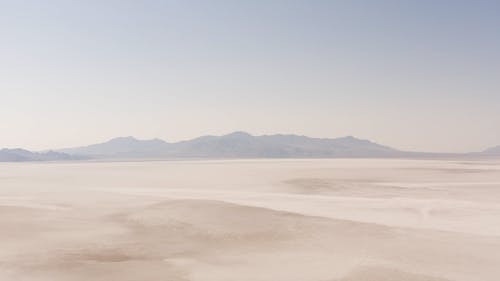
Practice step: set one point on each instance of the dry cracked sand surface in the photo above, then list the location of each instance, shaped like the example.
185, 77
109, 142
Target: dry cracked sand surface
324, 220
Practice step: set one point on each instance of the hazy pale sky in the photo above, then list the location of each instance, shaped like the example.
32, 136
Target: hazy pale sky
415, 75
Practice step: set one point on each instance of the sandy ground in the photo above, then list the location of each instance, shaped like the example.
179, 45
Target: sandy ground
324, 220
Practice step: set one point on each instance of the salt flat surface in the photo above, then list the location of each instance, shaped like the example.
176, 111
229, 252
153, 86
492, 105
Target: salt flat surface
325, 220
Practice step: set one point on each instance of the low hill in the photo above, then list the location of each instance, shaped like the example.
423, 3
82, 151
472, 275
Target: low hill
21, 155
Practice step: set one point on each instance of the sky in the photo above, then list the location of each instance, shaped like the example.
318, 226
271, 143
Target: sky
415, 75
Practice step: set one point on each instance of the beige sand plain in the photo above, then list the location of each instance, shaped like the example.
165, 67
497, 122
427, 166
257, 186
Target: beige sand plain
232, 220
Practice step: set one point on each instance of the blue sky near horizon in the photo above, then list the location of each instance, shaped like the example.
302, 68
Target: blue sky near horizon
415, 75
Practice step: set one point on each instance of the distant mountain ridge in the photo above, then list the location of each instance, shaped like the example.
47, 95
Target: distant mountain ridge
22, 155
120, 147
492, 150
236, 145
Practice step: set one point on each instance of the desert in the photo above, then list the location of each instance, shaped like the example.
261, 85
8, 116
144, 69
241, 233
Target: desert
281, 219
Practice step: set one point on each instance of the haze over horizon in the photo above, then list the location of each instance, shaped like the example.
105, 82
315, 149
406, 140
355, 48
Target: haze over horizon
413, 75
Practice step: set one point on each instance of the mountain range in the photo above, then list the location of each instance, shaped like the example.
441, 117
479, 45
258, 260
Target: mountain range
22, 155
492, 151
234, 145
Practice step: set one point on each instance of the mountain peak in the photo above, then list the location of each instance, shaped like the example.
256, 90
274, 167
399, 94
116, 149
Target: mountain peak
121, 139
349, 138
238, 134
